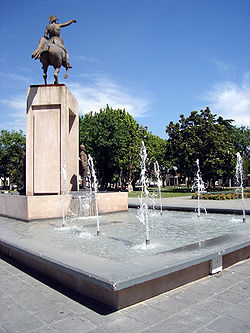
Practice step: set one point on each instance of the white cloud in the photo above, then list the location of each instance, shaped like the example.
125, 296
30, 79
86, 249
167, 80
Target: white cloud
15, 102
232, 101
102, 91
15, 112
15, 77
221, 65
86, 59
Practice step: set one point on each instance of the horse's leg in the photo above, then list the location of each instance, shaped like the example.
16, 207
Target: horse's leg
45, 68
57, 69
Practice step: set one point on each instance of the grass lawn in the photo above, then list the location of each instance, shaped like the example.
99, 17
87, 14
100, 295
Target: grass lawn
166, 192
169, 192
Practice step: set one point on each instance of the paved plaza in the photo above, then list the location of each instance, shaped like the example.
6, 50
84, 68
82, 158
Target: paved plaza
218, 303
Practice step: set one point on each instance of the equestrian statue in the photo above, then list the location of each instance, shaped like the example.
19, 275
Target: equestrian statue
51, 49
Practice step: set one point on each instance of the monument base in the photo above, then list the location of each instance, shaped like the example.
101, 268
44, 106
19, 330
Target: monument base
28, 208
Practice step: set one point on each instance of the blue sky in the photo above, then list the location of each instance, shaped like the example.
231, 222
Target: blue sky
155, 58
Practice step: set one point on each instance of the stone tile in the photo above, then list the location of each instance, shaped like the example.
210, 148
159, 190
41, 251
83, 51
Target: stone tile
5, 302
204, 330
135, 307
97, 330
124, 325
30, 280
75, 324
4, 272
233, 276
9, 267
173, 325
100, 319
34, 300
209, 287
242, 267
229, 325
189, 297
214, 304
247, 280
12, 285
16, 319
170, 305
240, 311
148, 315
54, 314
2, 330
226, 281
76, 307
56, 295
45, 329
246, 302
197, 315
243, 288
231, 297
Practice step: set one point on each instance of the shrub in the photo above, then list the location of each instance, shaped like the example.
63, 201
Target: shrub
221, 196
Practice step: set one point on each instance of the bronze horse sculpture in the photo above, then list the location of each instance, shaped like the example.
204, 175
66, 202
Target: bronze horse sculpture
51, 49
54, 56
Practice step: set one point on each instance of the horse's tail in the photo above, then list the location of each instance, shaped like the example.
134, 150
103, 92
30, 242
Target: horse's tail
67, 72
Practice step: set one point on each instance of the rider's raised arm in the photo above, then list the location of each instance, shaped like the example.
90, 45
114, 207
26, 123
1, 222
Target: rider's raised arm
67, 23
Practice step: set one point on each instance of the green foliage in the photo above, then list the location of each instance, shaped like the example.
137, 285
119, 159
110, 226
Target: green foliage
221, 196
112, 137
156, 151
202, 136
240, 137
12, 157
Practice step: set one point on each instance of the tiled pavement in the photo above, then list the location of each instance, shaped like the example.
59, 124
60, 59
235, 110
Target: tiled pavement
218, 303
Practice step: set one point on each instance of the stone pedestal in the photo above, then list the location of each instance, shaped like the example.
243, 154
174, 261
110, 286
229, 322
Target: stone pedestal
52, 134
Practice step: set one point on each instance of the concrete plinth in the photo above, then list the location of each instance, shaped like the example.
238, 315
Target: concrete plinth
37, 207
28, 208
52, 131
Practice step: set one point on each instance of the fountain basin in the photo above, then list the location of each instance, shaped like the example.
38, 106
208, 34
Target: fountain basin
29, 208
115, 280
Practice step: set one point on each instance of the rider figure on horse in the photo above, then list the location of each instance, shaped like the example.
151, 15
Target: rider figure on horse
52, 35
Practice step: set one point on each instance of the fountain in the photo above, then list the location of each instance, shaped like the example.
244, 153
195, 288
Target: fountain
143, 210
200, 188
65, 191
157, 173
113, 268
93, 187
239, 181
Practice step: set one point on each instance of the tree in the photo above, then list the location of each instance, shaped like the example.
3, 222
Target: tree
201, 136
240, 137
156, 151
112, 138
12, 157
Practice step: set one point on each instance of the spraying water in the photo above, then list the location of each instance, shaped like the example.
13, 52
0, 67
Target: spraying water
200, 187
239, 180
65, 189
93, 187
157, 173
143, 210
